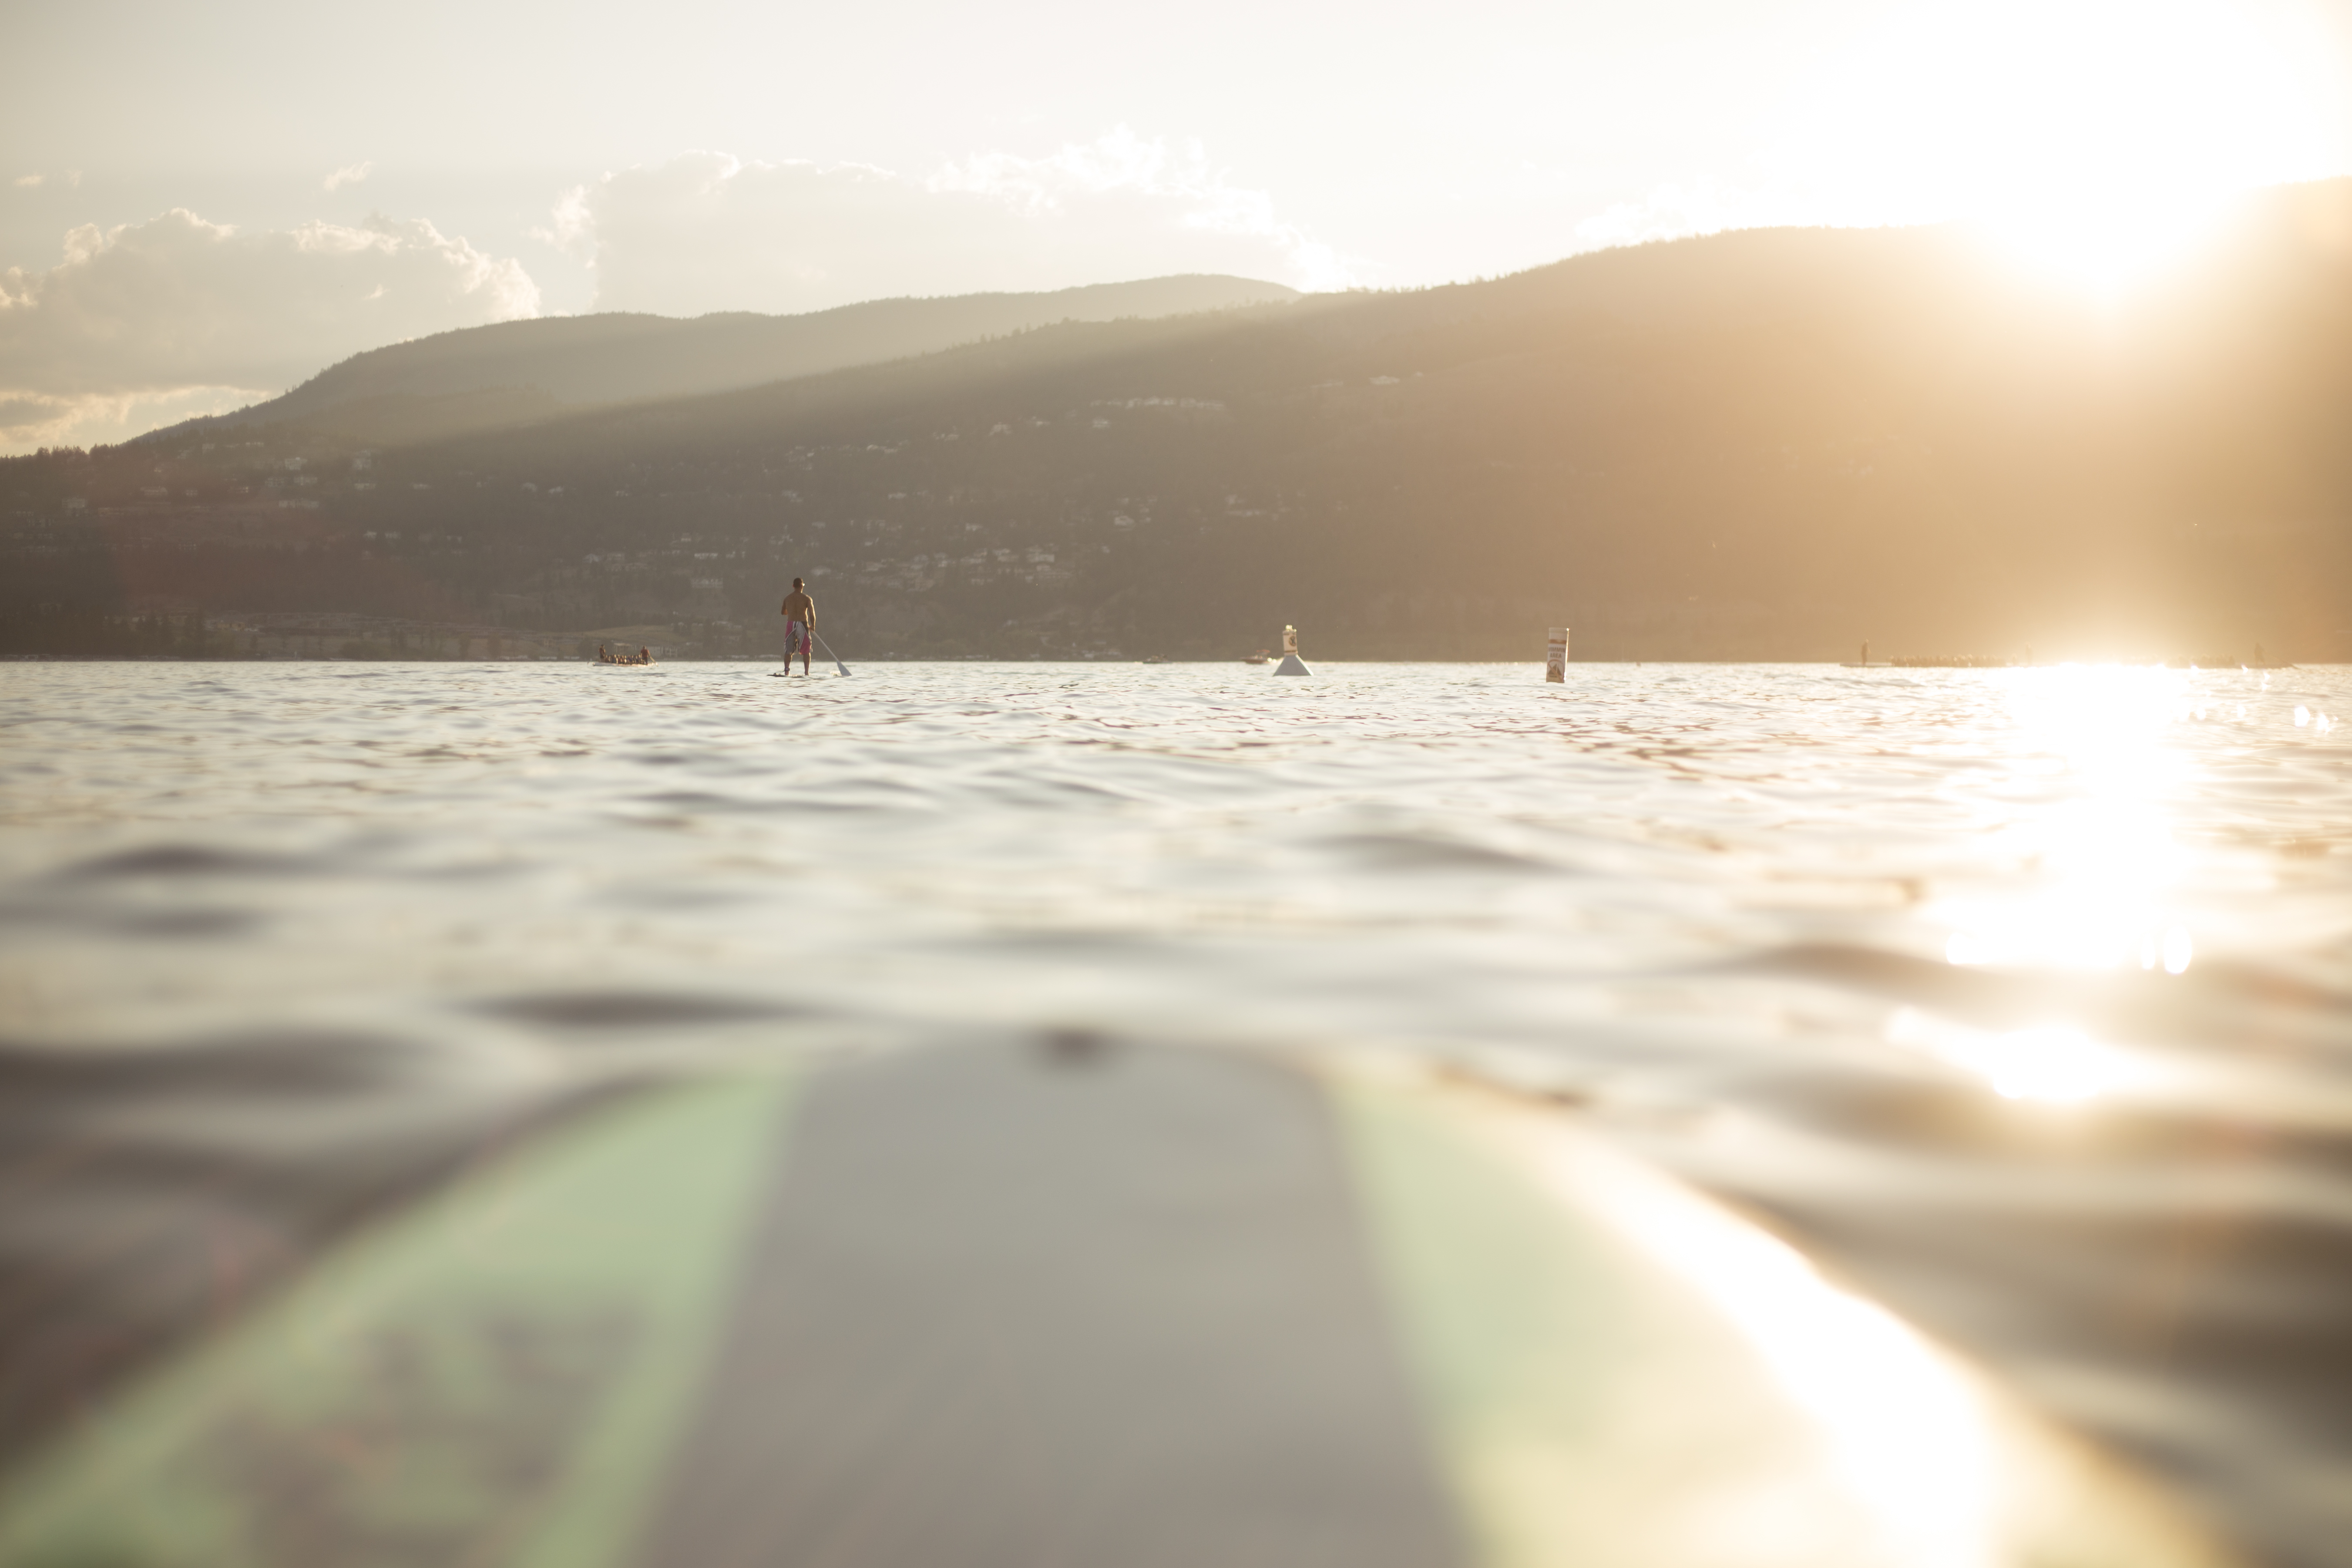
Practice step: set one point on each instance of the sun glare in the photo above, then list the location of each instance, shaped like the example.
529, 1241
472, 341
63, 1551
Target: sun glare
1905, 1433
2097, 142
2109, 248
2053, 1063
2095, 755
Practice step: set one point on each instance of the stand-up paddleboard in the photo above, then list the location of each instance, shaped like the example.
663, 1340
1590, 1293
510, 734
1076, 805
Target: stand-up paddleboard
1016, 1304
828, 653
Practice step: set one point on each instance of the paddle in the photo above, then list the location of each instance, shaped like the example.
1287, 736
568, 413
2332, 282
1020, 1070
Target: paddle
829, 653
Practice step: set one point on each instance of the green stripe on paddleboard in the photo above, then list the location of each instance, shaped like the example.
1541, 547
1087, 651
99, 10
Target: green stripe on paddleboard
1597, 1402
495, 1378
1553, 1360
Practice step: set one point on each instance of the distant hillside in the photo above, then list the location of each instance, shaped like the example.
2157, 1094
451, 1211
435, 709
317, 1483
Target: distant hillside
1763, 444
518, 372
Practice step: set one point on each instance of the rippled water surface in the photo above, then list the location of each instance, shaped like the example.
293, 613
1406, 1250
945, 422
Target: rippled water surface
2020, 999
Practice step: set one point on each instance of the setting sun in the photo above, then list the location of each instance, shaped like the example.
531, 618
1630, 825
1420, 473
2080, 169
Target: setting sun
2146, 121
2107, 248
2093, 141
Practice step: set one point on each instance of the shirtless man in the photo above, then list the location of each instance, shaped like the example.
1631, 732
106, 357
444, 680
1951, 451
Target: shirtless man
799, 625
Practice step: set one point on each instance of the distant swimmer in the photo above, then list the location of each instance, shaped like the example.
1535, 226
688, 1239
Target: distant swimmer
799, 624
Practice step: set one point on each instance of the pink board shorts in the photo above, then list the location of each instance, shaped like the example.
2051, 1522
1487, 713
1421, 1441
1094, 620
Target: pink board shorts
796, 637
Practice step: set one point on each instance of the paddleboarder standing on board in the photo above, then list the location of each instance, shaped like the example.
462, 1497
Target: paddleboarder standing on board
799, 625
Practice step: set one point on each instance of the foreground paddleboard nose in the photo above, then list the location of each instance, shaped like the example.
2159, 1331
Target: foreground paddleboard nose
1072, 1303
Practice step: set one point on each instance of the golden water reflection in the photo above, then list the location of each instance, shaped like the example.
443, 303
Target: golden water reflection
2097, 760
2050, 1062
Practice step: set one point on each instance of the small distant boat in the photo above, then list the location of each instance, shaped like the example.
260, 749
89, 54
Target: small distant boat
1263, 656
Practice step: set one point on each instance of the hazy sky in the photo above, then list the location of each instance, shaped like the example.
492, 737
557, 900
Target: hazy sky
204, 203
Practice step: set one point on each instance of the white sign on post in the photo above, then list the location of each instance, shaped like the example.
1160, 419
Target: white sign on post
1555, 655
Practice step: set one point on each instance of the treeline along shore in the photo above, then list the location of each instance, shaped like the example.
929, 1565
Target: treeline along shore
1768, 445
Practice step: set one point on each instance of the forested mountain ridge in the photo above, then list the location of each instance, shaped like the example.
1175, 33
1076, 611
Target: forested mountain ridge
517, 372
1760, 445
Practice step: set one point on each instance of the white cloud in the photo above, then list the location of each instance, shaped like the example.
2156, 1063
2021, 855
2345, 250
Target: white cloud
1122, 181
705, 231
348, 175
30, 420
572, 226
177, 307
26, 182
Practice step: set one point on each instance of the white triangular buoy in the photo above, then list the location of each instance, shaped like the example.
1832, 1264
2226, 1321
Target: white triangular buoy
1291, 663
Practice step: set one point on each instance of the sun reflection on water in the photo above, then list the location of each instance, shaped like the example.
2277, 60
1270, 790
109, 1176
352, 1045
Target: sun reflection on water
2054, 1063
2095, 763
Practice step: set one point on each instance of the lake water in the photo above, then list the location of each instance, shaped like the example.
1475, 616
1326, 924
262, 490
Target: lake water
2020, 1000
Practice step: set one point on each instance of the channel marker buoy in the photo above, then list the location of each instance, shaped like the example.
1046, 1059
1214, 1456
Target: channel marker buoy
1291, 663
